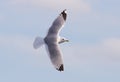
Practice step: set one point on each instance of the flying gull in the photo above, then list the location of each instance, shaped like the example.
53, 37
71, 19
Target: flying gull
52, 41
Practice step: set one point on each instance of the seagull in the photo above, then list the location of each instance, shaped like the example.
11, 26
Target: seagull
52, 41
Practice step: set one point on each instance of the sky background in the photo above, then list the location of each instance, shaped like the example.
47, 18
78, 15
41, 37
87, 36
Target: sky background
92, 26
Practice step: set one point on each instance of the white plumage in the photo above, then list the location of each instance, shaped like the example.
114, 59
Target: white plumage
52, 41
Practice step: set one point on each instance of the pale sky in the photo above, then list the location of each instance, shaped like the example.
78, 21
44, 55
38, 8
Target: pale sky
92, 27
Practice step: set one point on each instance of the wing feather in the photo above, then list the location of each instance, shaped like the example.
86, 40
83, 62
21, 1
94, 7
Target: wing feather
55, 56
58, 23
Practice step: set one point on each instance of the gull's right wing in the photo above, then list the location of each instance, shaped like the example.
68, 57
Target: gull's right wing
58, 23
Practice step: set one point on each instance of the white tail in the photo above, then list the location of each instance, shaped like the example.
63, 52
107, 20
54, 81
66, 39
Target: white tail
38, 42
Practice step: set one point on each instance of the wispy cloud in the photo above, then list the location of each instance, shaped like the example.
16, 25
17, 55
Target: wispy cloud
105, 52
107, 19
78, 5
106, 48
21, 43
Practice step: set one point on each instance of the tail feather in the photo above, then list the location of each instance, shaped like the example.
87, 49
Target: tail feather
38, 42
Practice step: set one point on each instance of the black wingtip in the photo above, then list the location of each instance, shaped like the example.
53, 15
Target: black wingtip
61, 68
64, 14
64, 10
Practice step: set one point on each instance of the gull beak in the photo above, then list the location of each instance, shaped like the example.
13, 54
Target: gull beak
67, 40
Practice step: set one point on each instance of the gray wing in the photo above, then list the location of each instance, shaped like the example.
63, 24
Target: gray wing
55, 56
58, 23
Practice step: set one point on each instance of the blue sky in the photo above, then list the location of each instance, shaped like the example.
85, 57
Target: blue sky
92, 26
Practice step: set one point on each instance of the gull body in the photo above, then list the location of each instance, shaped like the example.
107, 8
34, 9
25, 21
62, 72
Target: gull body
52, 41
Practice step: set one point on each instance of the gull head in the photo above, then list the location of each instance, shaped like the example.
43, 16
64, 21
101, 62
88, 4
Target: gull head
62, 40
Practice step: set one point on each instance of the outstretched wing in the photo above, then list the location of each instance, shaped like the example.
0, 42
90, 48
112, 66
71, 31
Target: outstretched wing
55, 56
52, 44
58, 23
